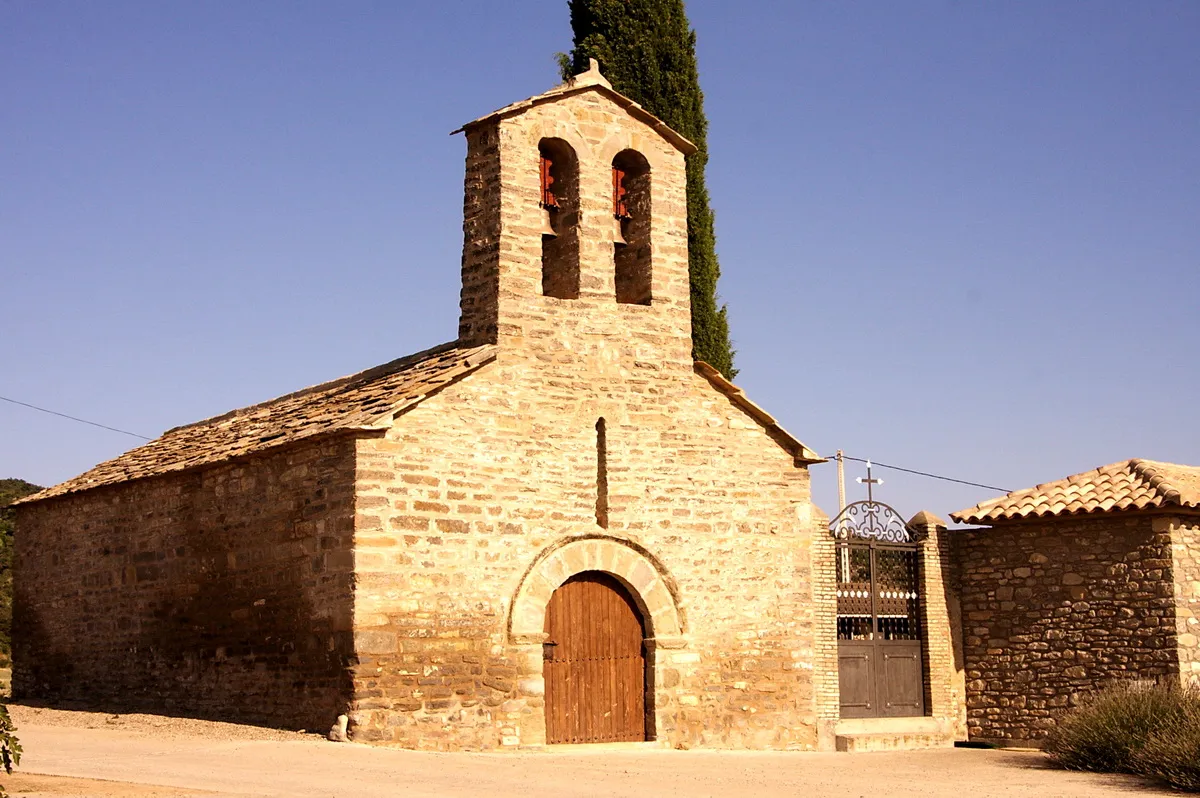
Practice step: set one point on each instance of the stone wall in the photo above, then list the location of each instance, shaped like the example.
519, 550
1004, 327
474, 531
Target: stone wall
1055, 609
479, 298
502, 260
1185, 557
222, 592
472, 489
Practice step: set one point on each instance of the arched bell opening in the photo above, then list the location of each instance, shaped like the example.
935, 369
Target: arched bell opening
558, 203
631, 227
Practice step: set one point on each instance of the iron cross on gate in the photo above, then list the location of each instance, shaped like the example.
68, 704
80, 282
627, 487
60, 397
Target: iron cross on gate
869, 482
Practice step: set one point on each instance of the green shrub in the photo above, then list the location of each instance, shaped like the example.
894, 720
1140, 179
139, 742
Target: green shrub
1172, 753
1110, 728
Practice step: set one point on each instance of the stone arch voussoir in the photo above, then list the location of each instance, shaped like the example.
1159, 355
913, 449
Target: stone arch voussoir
623, 140
646, 581
568, 132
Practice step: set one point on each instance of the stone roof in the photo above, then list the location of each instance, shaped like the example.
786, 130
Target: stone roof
802, 454
1127, 485
365, 401
591, 80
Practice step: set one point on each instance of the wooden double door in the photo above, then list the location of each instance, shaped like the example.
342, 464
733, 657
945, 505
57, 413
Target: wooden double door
880, 671
594, 663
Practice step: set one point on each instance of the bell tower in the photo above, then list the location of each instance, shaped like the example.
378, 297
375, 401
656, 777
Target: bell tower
575, 230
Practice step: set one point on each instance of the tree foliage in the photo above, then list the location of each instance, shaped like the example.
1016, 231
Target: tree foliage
648, 52
10, 491
10, 747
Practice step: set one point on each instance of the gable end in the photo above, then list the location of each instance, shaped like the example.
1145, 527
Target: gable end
802, 454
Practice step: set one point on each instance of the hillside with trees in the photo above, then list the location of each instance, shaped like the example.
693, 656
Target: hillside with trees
10, 491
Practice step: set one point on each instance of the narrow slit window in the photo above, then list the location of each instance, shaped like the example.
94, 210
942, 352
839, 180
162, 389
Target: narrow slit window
631, 206
601, 474
558, 210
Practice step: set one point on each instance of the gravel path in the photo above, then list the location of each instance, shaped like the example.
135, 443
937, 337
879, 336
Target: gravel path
146, 756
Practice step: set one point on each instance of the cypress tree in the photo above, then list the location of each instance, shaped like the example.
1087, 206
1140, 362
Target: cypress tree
648, 53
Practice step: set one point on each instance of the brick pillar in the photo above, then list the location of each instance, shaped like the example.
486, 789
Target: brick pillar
945, 684
825, 644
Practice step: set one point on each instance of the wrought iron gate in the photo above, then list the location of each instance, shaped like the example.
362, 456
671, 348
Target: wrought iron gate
879, 618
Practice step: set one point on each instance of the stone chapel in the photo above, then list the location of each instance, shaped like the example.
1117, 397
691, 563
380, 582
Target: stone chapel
557, 528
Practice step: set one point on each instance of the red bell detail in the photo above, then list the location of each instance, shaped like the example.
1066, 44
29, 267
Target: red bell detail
548, 198
620, 203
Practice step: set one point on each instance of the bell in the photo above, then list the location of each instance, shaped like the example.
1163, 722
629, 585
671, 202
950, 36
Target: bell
547, 228
618, 237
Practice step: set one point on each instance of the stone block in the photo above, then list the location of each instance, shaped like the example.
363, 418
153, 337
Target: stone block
374, 642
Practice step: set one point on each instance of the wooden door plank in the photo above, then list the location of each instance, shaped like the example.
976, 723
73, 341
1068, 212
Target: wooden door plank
595, 676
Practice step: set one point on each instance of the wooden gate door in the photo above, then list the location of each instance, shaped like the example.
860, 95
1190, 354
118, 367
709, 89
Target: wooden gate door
880, 669
594, 663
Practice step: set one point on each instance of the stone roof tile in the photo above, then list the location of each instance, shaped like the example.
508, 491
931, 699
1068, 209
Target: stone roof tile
367, 400
1129, 484
591, 80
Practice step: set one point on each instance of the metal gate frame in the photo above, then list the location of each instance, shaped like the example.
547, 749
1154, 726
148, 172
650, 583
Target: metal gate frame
879, 676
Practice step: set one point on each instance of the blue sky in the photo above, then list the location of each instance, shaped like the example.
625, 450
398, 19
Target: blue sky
957, 237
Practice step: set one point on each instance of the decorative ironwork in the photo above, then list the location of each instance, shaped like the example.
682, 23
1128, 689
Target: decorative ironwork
872, 520
878, 610
878, 592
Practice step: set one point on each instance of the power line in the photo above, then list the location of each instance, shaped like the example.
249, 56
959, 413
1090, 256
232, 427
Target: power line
73, 418
844, 456
924, 474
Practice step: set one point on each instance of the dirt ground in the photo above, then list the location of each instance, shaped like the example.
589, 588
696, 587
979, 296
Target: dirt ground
28, 785
149, 756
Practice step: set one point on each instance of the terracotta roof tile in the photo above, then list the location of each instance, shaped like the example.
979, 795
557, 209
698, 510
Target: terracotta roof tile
369, 399
1129, 484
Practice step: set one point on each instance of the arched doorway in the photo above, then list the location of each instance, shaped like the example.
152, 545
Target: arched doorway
594, 662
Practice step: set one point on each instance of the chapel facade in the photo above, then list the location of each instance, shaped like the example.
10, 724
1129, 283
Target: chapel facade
557, 528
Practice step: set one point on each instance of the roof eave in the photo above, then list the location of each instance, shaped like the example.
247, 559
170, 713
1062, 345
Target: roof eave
359, 431
1034, 518
373, 425
679, 141
803, 456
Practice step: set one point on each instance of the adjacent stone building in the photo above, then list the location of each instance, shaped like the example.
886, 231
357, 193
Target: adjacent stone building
1074, 584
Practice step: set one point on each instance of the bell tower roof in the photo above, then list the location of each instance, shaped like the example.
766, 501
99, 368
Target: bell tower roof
575, 231
591, 80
